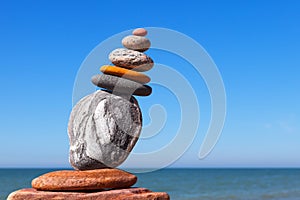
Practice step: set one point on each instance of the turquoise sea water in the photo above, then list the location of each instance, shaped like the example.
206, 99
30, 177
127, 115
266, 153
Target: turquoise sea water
193, 184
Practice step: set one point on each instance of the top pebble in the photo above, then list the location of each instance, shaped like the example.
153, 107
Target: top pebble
140, 32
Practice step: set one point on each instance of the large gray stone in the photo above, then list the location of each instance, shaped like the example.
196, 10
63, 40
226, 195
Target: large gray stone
103, 128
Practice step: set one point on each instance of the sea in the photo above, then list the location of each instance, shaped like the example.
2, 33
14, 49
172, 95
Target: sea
192, 184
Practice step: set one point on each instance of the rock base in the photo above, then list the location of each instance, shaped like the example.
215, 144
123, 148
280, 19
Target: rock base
73, 180
124, 194
98, 184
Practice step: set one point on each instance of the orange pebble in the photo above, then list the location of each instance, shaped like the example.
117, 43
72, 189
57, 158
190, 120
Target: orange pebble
125, 73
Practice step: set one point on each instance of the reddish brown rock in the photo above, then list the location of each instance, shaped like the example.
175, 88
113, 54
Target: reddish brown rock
148, 196
124, 194
70, 180
139, 32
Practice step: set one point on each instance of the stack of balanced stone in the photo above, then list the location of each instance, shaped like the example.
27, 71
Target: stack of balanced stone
103, 129
126, 78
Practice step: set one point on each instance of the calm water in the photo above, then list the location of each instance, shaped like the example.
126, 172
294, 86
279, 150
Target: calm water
193, 184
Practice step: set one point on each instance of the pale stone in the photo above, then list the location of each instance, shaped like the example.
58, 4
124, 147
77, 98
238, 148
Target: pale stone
131, 59
137, 43
103, 128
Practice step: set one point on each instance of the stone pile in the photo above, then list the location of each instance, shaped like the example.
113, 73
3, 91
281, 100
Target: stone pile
126, 77
99, 184
104, 126
103, 129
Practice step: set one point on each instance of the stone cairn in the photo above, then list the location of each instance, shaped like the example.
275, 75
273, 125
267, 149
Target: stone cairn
103, 129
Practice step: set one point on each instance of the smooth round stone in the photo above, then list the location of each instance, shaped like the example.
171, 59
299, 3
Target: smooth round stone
137, 43
120, 85
103, 129
131, 59
71, 180
139, 32
125, 73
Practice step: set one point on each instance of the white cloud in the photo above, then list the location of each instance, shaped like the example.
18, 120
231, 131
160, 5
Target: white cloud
286, 125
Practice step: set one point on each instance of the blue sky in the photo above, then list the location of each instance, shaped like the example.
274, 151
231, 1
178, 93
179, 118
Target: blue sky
255, 45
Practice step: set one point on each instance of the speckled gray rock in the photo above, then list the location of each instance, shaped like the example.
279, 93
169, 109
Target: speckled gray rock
137, 43
131, 59
121, 85
103, 128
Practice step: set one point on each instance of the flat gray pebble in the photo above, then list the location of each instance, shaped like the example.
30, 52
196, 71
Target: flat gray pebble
120, 85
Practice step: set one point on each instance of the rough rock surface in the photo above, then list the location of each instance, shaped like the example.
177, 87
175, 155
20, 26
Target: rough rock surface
131, 59
71, 180
120, 85
137, 43
139, 32
103, 128
124, 194
125, 73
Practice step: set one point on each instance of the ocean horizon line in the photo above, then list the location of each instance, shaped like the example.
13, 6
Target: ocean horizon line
145, 168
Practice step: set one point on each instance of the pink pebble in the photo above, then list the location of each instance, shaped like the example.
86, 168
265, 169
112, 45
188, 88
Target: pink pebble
139, 32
